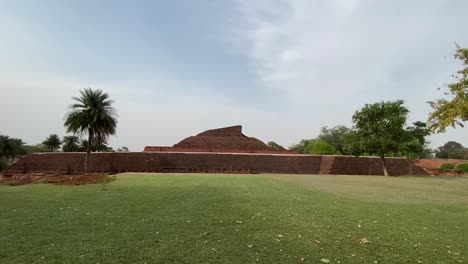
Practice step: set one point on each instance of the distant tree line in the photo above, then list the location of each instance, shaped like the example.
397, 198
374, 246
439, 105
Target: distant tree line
13, 148
378, 129
451, 150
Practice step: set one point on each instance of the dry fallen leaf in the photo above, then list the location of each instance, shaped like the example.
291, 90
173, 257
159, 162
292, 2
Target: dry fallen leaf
365, 241
316, 241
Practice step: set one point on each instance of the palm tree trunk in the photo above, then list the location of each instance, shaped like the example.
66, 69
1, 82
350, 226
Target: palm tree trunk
88, 154
384, 165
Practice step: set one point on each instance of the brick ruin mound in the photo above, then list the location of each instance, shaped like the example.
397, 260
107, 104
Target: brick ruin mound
227, 138
58, 179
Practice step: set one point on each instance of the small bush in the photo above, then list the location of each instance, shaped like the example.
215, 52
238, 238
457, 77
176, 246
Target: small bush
106, 180
463, 166
3, 165
447, 166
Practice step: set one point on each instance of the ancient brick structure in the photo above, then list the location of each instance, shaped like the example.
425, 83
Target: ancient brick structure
212, 163
224, 150
220, 140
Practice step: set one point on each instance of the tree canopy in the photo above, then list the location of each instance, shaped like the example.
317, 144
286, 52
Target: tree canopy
321, 147
52, 142
379, 129
92, 114
335, 136
451, 150
301, 146
275, 145
71, 144
11, 148
452, 111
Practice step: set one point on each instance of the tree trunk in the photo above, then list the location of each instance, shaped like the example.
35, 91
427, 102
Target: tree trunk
88, 154
384, 165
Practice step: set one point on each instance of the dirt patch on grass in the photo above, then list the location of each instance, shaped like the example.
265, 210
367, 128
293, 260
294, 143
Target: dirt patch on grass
59, 179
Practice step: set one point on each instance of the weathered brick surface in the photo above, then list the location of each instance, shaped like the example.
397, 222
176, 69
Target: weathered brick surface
220, 140
227, 139
210, 163
215, 150
348, 165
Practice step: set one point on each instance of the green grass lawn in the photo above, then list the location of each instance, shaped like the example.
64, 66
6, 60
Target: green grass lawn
147, 218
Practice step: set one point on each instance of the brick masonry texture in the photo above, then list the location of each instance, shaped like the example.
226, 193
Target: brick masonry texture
222, 150
225, 140
212, 163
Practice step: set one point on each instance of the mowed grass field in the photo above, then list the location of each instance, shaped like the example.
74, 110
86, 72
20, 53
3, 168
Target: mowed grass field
189, 218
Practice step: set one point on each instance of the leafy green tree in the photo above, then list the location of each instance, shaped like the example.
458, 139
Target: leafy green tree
454, 110
301, 146
320, 146
92, 114
379, 129
11, 148
30, 149
3, 140
451, 150
70, 144
101, 148
52, 142
335, 136
275, 145
3, 164
420, 148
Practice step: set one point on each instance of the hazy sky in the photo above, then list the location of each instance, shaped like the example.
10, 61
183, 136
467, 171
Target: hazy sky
282, 69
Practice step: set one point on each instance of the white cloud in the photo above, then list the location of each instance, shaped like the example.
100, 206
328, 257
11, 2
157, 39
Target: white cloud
35, 106
331, 57
327, 58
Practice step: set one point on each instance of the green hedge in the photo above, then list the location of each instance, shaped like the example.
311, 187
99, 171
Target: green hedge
463, 166
3, 165
447, 166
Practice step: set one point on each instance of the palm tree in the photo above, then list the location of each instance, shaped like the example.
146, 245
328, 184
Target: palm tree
92, 114
70, 144
52, 142
11, 147
102, 147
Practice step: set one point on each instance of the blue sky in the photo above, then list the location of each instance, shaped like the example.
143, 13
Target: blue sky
283, 69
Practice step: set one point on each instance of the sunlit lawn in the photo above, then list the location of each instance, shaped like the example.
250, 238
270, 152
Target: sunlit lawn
161, 218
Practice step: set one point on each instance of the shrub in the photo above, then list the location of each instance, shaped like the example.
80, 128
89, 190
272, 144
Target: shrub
463, 166
106, 180
3, 165
447, 166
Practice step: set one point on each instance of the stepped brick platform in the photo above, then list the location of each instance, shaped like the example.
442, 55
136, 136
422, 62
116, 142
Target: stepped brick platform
243, 163
224, 150
220, 140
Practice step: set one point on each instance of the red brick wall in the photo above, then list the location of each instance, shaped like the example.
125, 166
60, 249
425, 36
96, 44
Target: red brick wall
210, 162
349, 165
